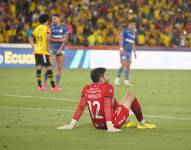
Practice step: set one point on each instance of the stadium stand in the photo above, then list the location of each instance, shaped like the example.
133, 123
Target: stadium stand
98, 22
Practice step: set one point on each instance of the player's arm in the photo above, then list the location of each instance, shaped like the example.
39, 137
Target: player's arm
121, 38
134, 50
108, 98
31, 41
108, 115
114, 103
76, 116
63, 43
80, 108
48, 36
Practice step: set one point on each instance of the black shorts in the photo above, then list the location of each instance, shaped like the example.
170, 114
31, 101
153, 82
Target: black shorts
43, 60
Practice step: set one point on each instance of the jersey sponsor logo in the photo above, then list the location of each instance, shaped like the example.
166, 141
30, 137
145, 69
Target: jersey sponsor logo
57, 31
94, 88
94, 96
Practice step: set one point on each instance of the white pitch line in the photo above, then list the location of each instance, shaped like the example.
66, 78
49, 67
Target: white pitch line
66, 110
37, 109
168, 117
40, 97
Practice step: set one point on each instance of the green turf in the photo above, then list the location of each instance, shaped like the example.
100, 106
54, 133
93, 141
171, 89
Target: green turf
29, 123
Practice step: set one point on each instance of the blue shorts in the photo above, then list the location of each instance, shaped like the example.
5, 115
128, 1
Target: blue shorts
125, 56
53, 49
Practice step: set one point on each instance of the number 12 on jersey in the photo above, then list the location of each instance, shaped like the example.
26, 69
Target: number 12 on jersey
95, 114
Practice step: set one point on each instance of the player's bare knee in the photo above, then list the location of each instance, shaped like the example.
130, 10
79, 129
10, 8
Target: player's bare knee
49, 68
59, 67
130, 96
38, 67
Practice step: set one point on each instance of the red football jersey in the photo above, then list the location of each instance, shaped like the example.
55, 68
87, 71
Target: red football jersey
99, 99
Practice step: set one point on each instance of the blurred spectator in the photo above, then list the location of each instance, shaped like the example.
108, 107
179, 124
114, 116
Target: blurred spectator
97, 22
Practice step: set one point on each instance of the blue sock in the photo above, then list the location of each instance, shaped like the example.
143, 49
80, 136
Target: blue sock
126, 74
57, 79
45, 77
119, 72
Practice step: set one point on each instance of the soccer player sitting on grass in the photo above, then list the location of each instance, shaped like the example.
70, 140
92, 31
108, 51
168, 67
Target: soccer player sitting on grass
104, 109
41, 35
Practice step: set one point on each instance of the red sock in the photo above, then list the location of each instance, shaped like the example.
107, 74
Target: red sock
136, 108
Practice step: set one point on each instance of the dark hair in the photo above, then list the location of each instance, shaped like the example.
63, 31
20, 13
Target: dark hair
132, 21
56, 15
96, 74
43, 18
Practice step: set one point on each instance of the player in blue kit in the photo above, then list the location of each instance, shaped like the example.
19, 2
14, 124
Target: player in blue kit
59, 36
127, 45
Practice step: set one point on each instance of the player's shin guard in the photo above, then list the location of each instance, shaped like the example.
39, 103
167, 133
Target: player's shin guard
38, 77
136, 108
51, 77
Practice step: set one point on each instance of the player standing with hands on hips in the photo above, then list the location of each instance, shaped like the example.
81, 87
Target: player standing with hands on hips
127, 45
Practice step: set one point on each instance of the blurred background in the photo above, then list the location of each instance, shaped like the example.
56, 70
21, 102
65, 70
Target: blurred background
165, 23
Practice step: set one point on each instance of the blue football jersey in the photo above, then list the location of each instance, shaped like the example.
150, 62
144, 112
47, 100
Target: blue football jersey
58, 32
128, 39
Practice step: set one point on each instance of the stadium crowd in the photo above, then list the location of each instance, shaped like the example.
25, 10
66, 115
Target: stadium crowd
99, 22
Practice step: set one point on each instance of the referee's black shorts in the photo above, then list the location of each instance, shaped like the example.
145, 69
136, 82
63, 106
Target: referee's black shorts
43, 60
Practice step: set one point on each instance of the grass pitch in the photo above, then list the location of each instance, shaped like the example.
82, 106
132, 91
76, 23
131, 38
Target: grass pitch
29, 118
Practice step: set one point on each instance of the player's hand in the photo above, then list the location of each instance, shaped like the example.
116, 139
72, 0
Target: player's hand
113, 129
135, 55
72, 125
121, 49
66, 127
59, 51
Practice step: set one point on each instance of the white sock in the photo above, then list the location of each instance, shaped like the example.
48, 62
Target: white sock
142, 121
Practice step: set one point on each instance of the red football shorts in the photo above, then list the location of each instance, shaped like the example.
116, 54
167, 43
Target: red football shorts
120, 115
